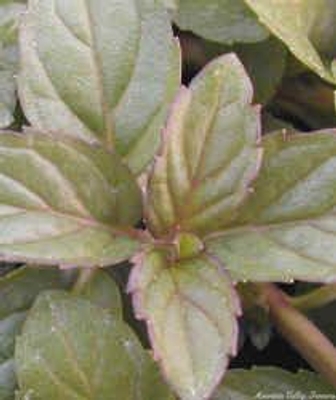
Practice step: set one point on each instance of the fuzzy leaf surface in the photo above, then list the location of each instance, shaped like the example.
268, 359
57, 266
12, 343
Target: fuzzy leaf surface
71, 349
190, 308
210, 153
307, 27
246, 384
225, 21
88, 71
287, 228
64, 202
18, 290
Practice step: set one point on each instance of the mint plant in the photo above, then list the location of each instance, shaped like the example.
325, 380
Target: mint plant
115, 165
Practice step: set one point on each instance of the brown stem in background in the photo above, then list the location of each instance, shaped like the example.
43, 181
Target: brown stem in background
301, 333
316, 298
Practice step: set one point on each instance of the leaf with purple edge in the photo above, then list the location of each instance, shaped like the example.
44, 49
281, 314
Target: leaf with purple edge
287, 228
210, 153
191, 311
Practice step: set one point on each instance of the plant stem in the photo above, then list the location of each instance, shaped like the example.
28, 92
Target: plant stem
84, 277
301, 333
316, 298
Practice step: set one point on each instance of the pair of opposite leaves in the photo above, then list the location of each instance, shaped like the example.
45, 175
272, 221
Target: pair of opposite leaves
66, 200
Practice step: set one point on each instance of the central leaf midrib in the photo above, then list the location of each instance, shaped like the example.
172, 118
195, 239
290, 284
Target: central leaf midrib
72, 356
100, 77
81, 221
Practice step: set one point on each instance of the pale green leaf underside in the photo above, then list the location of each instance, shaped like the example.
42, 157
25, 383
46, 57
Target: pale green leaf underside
190, 308
307, 27
71, 349
64, 202
88, 70
267, 382
210, 152
287, 228
225, 21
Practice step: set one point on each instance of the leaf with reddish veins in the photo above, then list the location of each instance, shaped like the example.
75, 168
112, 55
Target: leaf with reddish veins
210, 153
87, 70
65, 202
190, 308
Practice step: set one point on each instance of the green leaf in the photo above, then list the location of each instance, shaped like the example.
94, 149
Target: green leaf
307, 27
286, 229
190, 308
9, 21
7, 97
104, 292
225, 21
64, 201
210, 153
9, 17
17, 292
7, 380
19, 288
71, 349
109, 89
265, 63
269, 383
270, 124
8, 70
9, 329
